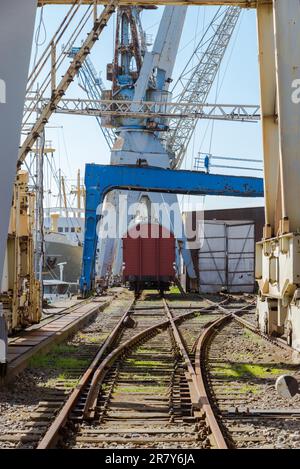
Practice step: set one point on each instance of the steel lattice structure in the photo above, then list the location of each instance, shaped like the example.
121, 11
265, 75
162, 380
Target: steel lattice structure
93, 86
153, 111
59, 91
199, 82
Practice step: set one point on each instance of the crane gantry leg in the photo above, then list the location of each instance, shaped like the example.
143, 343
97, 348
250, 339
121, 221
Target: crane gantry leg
266, 43
278, 255
15, 46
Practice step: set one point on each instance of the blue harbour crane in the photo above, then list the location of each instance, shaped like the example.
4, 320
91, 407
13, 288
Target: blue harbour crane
141, 141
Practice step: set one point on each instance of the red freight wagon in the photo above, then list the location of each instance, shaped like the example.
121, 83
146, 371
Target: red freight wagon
149, 257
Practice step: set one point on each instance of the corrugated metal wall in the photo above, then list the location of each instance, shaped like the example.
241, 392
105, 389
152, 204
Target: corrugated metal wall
227, 257
252, 215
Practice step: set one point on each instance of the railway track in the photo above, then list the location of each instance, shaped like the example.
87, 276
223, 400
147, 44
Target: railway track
153, 376
51, 330
237, 367
29, 404
141, 390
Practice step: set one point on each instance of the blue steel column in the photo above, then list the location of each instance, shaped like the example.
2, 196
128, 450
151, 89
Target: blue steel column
92, 217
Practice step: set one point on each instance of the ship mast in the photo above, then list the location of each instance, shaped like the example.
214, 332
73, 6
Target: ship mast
78, 194
63, 185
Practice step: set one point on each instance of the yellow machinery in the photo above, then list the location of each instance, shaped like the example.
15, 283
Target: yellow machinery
21, 292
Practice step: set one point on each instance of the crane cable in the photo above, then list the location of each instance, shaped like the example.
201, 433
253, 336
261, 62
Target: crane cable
192, 60
39, 43
223, 78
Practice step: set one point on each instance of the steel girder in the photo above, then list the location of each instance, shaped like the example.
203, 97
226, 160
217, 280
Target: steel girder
240, 3
198, 81
150, 109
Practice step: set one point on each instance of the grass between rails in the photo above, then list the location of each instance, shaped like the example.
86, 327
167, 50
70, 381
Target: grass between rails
245, 388
240, 370
92, 339
145, 363
254, 337
248, 388
61, 357
141, 389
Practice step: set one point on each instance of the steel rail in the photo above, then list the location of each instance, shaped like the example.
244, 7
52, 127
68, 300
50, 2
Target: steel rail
52, 434
200, 360
211, 419
201, 344
274, 340
196, 385
195, 375
97, 372
195, 392
91, 400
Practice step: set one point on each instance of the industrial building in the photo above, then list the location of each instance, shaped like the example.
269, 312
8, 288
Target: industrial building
225, 258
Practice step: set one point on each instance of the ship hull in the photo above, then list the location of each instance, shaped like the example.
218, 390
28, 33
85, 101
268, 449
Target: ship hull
56, 253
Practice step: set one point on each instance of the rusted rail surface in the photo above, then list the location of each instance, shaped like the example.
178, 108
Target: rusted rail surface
200, 370
201, 366
96, 373
105, 360
51, 436
200, 374
235, 314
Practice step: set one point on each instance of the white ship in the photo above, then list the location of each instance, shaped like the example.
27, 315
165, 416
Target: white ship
63, 237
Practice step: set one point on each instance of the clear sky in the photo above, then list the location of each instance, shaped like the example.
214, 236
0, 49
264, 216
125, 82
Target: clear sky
79, 140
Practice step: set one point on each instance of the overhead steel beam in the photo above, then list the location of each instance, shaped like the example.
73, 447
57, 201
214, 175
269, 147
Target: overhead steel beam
240, 3
105, 178
150, 110
101, 179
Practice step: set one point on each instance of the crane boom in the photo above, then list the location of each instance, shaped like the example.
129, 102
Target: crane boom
200, 81
93, 85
